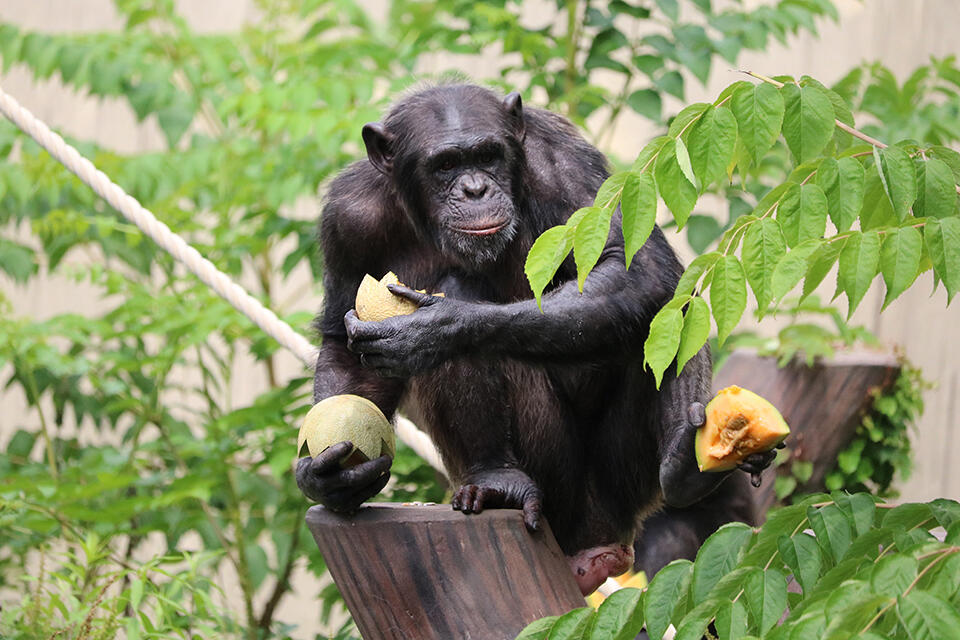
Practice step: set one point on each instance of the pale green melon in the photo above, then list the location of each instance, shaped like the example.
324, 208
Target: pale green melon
347, 417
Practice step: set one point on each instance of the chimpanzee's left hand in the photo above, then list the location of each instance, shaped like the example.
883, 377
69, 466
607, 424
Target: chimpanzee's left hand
402, 346
754, 464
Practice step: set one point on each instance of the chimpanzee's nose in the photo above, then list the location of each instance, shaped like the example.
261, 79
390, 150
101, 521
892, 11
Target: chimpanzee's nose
473, 187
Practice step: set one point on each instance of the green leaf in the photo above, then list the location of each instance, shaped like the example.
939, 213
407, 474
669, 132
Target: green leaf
943, 244
926, 617
610, 191
538, 629
766, 596
936, 190
808, 121
696, 330
679, 194
663, 341
685, 119
19, 262
899, 178
545, 257
759, 112
694, 623
843, 183
946, 511
639, 208
763, 247
820, 264
731, 621
671, 8
667, 589
696, 269
803, 213
649, 153
802, 554
909, 515
711, 144
572, 625
893, 574
900, 261
175, 118
728, 295
832, 530
860, 509
683, 159
620, 616
790, 269
589, 240
717, 556
859, 262
647, 103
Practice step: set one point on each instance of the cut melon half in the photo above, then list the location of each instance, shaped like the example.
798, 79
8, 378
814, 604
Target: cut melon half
739, 423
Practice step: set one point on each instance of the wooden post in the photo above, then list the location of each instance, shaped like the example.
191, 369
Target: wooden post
427, 571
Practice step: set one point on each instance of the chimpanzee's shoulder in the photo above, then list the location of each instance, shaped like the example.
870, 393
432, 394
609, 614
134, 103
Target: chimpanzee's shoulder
358, 208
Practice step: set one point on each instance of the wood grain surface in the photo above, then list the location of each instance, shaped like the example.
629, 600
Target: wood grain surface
412, 572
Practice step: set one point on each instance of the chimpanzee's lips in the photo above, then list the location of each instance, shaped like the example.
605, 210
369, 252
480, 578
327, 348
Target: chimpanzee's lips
483, 227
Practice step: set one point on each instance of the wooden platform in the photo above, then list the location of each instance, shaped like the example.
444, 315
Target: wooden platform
430, 572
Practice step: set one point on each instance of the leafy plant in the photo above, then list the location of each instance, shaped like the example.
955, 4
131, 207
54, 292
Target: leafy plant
862, 568
904, 198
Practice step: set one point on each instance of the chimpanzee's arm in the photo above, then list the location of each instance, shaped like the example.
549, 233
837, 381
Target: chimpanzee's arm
610, 318
339, 371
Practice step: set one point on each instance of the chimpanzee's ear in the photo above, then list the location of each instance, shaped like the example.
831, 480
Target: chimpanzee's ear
514, 108
379, 145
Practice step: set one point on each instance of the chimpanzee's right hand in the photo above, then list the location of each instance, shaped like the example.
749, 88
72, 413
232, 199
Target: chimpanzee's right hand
323, 480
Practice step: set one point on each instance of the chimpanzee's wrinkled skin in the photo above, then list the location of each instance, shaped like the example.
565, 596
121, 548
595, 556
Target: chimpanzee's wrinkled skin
547, 411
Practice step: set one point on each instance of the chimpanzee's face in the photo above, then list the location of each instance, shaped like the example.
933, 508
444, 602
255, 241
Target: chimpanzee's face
456, 163
465, 179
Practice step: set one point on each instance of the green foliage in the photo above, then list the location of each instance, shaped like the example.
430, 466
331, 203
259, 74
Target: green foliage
880, 450
134, 438
868, 570
785, 239
574, 53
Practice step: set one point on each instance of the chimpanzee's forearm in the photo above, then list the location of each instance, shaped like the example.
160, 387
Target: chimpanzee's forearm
612, 315
339, 371
682, 401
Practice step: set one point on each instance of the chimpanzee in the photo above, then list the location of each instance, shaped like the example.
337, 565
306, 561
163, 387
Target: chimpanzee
546, 411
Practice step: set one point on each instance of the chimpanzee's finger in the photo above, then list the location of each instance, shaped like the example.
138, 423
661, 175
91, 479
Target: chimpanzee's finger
421, 299
349, 498
360, 331
696, 414
328, 460
361, 475
757, 462
532, 508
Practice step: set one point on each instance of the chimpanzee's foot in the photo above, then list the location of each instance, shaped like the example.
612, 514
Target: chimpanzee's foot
501, 489
591, 567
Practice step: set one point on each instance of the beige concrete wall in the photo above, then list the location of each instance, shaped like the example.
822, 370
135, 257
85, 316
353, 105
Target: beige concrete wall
900, 33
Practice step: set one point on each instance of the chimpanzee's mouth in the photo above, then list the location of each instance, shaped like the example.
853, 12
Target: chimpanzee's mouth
483, 227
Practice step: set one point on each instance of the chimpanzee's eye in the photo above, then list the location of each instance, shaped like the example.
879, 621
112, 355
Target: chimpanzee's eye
487, 156
448, 164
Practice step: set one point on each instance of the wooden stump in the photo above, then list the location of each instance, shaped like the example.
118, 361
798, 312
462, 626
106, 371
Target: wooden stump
430, 572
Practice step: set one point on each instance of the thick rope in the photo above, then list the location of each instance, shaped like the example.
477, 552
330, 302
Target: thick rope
176, 246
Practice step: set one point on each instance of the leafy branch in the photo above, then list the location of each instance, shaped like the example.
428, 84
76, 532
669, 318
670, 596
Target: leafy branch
864, 570
894, 209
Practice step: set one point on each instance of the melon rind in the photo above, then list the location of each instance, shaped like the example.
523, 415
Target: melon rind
766, 426
347, 417
375, 302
